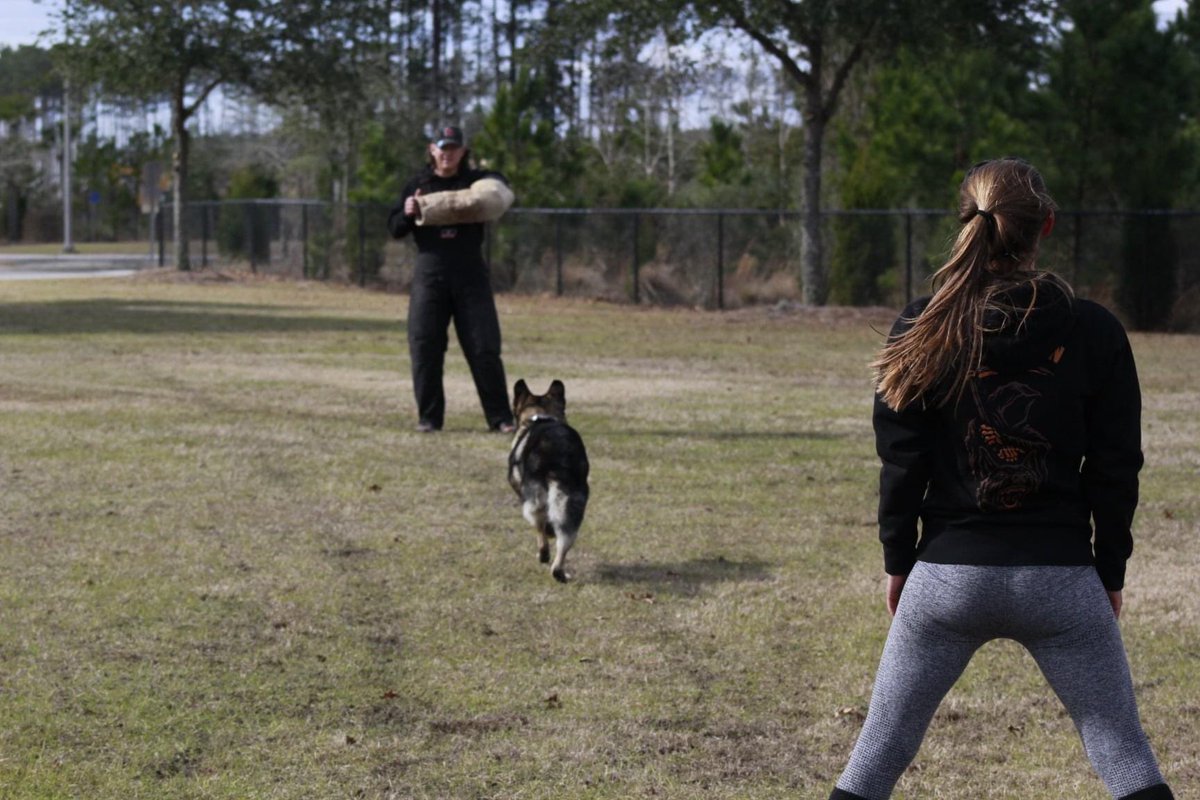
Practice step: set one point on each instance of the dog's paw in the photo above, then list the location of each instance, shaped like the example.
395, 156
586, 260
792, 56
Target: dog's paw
560, 575
544, 555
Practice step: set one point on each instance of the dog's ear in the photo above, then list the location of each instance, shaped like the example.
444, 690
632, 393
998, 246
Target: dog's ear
519, 390
558, 391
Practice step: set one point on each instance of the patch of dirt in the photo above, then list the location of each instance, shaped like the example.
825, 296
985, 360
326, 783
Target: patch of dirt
478, 726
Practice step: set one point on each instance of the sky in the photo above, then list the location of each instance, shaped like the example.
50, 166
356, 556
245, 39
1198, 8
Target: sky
22, 20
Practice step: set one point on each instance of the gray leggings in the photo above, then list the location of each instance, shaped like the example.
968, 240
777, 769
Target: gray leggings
947, 611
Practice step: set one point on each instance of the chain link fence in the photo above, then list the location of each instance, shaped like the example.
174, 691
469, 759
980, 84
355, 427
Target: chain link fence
706, 258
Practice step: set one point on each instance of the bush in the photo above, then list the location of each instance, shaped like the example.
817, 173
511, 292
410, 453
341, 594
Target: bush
1146, 286
864, 250
244, 229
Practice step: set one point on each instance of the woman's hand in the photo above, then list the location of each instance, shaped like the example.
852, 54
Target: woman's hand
1115, 599
412, 207
895, 585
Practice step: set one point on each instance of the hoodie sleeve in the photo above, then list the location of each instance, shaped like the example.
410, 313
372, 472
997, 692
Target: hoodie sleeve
398, 224
904, 440
485, 200
1113, 452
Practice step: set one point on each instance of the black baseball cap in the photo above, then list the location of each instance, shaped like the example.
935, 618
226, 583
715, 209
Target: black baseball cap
448, 135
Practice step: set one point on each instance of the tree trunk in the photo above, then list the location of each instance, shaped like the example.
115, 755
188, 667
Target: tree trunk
512, 42
781, 178
670, 149
575, 113
496, 67
179, 167
404, 46
456, 81
812, 268
671, 89
438, 105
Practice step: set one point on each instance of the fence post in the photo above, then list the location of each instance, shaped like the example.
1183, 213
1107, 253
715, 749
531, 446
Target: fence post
267, 221
326, 266
721, 261
362, 245
636, 280
304, 239
1076, 246
514, 274
161, 233
280, 222
908, 258
204, 208
248, 223
558, 276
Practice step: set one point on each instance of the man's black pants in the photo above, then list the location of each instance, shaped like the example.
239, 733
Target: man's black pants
462, 292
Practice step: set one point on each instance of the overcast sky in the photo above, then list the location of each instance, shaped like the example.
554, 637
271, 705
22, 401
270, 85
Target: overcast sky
22, 20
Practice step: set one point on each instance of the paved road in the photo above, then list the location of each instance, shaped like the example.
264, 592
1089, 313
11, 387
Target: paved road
76, 265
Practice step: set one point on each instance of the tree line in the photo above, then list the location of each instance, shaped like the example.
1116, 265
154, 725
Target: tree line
805, 105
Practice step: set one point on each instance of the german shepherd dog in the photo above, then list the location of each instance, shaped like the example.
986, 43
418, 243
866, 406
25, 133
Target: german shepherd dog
548, 469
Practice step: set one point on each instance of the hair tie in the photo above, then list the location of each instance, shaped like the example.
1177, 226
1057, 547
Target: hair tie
989, 216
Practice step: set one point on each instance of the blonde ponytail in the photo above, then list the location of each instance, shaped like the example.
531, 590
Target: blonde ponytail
1004, 206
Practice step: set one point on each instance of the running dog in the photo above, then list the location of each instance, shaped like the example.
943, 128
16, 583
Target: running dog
548, 469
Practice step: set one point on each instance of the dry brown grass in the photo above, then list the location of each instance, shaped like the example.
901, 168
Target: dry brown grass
232, 570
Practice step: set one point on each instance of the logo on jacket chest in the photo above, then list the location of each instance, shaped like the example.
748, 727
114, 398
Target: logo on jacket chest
448, 233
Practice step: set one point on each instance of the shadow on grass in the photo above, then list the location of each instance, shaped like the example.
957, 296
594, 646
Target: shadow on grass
685, 577
110, 315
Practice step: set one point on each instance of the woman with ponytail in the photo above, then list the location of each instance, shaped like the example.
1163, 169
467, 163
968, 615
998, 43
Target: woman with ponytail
1007, 419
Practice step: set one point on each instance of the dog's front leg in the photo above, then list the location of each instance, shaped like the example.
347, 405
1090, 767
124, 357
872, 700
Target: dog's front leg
545, 534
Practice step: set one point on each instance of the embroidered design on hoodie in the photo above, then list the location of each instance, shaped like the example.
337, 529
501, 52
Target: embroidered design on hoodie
1006, 453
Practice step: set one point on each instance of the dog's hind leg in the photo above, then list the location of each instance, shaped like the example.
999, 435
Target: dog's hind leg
563, 540
565, 513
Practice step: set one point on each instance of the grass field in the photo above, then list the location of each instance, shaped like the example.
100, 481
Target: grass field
230, 569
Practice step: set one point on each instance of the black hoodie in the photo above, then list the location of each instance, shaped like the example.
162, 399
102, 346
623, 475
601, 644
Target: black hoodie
1044, 443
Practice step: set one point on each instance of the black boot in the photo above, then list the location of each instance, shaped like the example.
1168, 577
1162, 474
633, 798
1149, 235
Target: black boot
1157, 792
842, 794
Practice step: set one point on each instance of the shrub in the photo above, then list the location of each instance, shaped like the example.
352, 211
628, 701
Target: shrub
244, 229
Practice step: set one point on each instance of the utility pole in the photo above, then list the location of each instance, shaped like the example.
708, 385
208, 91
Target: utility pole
68, 244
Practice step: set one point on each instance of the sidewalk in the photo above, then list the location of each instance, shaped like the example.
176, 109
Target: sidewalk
15, 267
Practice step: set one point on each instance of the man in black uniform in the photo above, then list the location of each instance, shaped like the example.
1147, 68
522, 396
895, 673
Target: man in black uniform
445, 207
